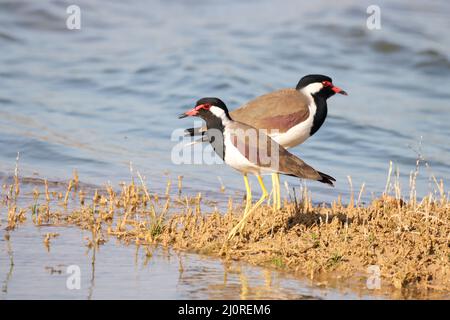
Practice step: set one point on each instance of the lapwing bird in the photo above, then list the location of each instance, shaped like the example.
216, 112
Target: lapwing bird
249, 150
290, 115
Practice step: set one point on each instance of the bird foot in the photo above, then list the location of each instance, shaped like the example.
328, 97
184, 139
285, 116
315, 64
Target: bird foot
237, 228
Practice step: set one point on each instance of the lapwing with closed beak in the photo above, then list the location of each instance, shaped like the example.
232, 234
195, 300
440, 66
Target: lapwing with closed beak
250, 151
290, 115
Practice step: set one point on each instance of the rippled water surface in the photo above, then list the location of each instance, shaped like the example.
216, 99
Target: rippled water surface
98, 98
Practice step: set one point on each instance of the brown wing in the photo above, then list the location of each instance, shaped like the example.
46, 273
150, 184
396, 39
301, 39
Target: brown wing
260, 149
281, 110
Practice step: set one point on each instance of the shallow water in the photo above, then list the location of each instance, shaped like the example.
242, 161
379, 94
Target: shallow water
98, 98
125, 272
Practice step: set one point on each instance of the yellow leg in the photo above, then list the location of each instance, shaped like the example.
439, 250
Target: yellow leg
248, 197
241, 223
274, 191
278, 192
248, 204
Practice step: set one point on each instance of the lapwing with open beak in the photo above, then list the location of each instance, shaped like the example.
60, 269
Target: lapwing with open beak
249, 150
290, 115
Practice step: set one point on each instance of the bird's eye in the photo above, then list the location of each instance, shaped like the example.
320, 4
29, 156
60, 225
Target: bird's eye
204, 106
326, 83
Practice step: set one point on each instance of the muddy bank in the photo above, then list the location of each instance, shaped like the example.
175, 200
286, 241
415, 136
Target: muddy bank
332, 244
402, 242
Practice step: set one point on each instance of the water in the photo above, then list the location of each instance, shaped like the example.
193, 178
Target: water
98, 98
124, 272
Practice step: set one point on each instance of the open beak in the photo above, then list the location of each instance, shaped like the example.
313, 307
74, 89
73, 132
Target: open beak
339, 90
189, 113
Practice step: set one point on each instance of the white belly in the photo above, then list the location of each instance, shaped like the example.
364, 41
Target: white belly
235, 159
295, 135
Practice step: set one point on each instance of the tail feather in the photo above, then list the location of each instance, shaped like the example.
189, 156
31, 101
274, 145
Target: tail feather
326, 178
292, 165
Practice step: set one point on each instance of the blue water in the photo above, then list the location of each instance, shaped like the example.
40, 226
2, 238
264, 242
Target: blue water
97, 98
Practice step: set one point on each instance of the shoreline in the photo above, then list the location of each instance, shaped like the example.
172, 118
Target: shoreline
400, 245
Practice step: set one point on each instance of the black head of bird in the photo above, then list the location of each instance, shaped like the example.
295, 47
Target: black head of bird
208, 108
319, 85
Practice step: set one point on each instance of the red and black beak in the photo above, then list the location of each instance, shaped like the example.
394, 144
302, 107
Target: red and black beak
194, 111
338, 90
189, 113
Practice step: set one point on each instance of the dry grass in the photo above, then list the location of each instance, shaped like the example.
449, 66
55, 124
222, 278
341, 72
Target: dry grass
407, 238
410, 249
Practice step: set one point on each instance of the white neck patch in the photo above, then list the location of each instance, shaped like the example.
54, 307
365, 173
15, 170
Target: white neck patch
219, 113
311, 89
